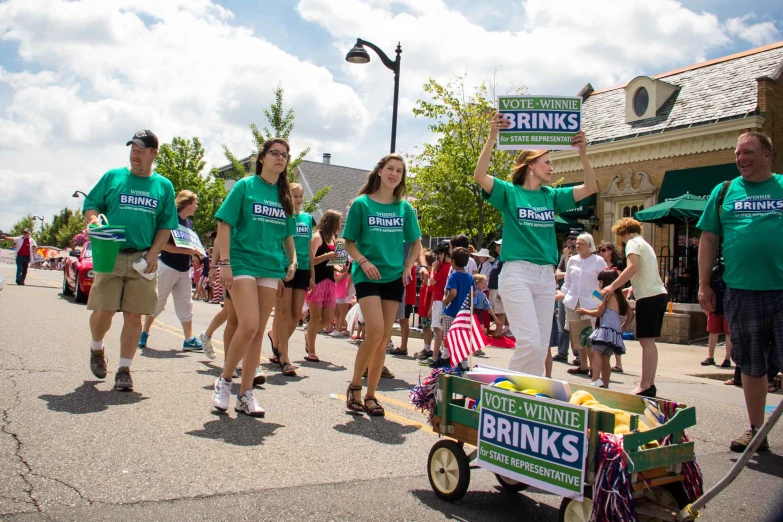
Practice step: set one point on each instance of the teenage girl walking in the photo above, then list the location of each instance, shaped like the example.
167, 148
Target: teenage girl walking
379, 222
323, 299
288, 308
256, 222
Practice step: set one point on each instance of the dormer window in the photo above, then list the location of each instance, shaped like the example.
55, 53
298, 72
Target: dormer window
641, 100
644, 96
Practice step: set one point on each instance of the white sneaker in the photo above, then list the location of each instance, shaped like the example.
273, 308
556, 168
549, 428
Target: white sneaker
206, 342
248, 405
259, 378
222, 394
597, 383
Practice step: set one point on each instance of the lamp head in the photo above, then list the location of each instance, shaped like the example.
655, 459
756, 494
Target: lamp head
75, 194
357, 54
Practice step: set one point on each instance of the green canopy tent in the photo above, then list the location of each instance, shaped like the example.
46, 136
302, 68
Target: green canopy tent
563, 223
683, 209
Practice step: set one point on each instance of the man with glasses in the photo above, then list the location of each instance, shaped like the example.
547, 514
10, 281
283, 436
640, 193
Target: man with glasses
25, 247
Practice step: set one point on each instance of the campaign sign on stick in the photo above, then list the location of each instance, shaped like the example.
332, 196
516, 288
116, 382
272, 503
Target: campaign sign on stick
534, 440
341, 254
539, 122
186, 238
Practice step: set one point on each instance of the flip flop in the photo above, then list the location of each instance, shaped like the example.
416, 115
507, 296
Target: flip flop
311, 357
288, 369
275, 352
617, 369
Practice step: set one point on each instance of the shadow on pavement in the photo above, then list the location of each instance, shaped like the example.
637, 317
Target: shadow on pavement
484, 505
152, 353
211, 369
392, 384
89, 399
767, 463
321, 365
239, 431
278, 379
377, 429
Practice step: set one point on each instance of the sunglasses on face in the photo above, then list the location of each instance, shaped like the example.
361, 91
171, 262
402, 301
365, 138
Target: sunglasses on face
277, 154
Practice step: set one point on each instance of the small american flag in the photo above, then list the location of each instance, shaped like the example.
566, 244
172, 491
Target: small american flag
465, 335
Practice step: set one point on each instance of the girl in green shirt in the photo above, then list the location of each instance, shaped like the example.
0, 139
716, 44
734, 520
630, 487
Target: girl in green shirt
289, 303
379, 222
528, 206
255, 232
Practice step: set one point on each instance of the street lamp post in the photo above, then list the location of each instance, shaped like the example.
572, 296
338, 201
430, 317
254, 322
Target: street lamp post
77, 192
359, 55
41, 219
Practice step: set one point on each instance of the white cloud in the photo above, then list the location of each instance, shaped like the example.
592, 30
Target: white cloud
98, 71
758, 34
111, 68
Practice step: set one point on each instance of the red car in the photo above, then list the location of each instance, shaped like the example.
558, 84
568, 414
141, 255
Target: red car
78, 274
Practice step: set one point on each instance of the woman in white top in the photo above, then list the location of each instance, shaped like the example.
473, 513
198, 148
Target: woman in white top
580, 280
650, 294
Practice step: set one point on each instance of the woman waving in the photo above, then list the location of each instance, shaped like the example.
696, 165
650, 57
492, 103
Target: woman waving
528, 206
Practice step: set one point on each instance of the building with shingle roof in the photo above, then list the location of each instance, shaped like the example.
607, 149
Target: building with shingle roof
345, 183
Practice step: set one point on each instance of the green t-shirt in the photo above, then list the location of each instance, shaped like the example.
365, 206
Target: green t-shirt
142, 204
529, 220
260, 225
302, 237
751, 222
380, 231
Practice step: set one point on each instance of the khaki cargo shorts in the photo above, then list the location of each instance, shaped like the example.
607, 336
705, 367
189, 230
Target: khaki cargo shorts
124, 290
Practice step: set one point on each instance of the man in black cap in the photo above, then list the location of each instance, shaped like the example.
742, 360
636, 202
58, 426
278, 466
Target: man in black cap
142, 201
25, 247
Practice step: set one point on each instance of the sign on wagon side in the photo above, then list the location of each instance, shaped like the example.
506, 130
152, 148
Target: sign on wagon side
539, 122
538, 441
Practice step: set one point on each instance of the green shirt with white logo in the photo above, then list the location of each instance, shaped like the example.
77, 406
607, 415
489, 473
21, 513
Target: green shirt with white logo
380, 231
529, 220
259, 227
143, 205
302, 237
750, 222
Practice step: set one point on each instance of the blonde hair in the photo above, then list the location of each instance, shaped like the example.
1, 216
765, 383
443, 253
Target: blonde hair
480, 278
523, 161
185, 198
296, 186
627, 226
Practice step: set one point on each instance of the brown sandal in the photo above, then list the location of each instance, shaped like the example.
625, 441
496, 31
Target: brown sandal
375, 411
350, 402
288, 369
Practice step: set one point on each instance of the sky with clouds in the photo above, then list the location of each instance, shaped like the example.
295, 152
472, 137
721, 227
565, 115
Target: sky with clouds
78, 78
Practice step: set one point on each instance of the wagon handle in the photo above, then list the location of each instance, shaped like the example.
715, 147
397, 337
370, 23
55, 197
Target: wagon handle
691, 511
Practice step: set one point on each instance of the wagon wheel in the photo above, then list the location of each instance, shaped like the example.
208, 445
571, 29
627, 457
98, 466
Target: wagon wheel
448, 470
510, 485
575, 511
670, 495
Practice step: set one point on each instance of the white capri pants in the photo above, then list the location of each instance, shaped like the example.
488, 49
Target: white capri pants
178, 284
528, 294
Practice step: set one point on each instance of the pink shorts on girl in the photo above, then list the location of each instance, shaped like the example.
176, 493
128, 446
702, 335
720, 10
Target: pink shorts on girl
323, 296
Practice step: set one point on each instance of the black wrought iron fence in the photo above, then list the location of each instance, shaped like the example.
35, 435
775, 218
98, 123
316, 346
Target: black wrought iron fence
680, 275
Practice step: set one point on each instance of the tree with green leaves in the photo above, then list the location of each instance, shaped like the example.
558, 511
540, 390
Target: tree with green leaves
48, 235
447, 199
73, 226
282, 123
182, 162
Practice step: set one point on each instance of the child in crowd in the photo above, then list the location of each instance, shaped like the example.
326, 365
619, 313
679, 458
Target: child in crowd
481, 307
457, 289
343, 294
614, 315
425, 309
438, 278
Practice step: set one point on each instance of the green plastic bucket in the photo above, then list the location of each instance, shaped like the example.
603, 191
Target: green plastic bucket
104, 253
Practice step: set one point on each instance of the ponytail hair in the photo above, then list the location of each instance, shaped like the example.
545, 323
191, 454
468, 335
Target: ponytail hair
523, 161
283, 188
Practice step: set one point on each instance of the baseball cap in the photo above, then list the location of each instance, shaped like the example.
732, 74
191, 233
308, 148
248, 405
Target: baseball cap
499, 241
27, 230
573, 234
145, 139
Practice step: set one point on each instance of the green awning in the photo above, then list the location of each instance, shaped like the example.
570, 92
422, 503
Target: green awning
698, 181
582, 210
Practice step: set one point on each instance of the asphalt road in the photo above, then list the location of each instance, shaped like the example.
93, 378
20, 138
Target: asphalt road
73, 449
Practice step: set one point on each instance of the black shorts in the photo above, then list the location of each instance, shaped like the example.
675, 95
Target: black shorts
409, 310
649, 315
300, 281
391, 291
756, 328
